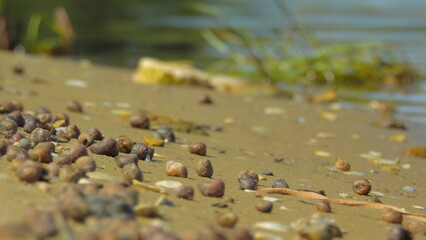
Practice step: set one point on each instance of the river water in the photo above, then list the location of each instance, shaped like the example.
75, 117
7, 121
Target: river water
120, 32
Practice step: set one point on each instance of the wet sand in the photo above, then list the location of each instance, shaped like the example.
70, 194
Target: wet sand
250, 139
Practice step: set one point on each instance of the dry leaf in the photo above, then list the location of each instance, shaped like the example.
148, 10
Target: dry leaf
329, 116
416, 152
398, 138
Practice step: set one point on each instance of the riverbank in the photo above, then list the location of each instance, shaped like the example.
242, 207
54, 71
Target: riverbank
295, 141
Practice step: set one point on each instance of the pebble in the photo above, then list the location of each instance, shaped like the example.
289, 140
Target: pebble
41, 153
125, 144
74, 106
176, 169
205, 99
4, 142
214, 188
166, 133
77, 150
86, 139
361, 186
130, 172
220, 205
397, 232
14, 152
108, 146
97, 135
227, 219
141, 150
85, 164
268, 173
204, 168
391, 216
198, 148
122, 160
140, 121
343, 165
29, 171
63, 118
247, 182
42, 224
31, 123
16, 137
68, 173
246, 172
18, 118
185, 192
264, 206
7, 128
70, 132
107, 206
24, 143
416, 227
63, 160
324, 206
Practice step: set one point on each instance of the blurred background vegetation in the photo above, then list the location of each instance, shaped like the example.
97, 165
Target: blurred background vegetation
260, 41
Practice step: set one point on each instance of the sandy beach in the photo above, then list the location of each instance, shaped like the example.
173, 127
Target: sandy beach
295, 141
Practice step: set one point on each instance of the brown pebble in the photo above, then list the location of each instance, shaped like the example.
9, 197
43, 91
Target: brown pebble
397, 232
49, 145
42, 224
176, 169
324, 206
343, 165
130, 172
7, 128
15, 152
39, 135
41, 153
204, 168
29, 172
227, 219
74, 106
391, 216
185, 192
361, 186
97, 135
63, 160
165, 133
75, 207
264, 206
68, 173
122, 160
77, 150
198, 148
205, 99
248, 182
17, 117
45, 118
16, 137
72, 131
86, 139
140, 149
24, 143
10, 106
52, 170
139, 121
62, 117
4, 142
416, 227
31, 123
214, 188
280, 183
246, 172
85, 164
125, 144
108, 146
